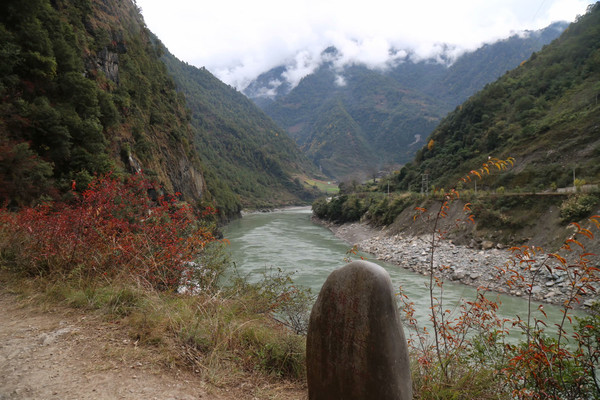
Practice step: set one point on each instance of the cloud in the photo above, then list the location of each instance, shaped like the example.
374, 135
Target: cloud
237, 40
340, 80
270, 90
304, 63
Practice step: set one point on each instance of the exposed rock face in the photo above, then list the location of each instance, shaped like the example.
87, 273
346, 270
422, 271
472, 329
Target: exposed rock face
108, 62
134, 165
187, 180
356, 347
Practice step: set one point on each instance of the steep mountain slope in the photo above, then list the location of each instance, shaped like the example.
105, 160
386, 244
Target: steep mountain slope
545, 114
394, 110
367, 112
82, 91
249, 160
472, 71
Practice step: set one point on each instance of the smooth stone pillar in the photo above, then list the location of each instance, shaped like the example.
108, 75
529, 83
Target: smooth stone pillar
356, 348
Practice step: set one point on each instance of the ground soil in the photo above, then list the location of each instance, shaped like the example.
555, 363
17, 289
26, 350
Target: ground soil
52, 352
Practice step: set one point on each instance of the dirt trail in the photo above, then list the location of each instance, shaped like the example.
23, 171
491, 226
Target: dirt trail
64, 354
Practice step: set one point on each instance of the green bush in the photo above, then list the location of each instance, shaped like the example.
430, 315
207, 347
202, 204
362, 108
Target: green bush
275, 351
577, 207
385, 211
588, 329
343, 208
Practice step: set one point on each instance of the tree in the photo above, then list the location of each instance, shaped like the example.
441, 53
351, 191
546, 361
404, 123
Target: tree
23, 175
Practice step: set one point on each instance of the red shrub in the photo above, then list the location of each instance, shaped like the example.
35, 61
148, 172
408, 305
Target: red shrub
111, 230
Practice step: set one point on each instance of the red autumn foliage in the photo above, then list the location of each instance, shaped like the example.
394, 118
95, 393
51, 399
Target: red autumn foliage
112, 231
543, 366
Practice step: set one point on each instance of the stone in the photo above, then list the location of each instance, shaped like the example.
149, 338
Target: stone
457, 275
536, 289
590, 302
355, 347
487, 245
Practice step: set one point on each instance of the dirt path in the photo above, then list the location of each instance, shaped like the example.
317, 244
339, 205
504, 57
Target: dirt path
64, 354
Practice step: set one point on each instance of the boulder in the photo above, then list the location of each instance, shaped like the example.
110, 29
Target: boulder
458, 275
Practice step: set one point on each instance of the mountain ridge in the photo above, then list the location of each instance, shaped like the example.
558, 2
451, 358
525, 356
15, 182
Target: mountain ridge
396, 109
544, 114
75, 102
239, 144
85, 91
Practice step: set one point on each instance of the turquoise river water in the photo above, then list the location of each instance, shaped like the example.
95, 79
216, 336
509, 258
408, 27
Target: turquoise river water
289, 240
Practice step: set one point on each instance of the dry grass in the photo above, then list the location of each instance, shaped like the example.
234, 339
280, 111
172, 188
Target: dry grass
218, 337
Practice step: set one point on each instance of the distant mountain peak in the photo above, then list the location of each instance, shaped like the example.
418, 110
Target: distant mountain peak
279, 81
384, 114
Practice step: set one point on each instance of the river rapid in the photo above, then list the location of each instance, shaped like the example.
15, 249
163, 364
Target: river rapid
289, 240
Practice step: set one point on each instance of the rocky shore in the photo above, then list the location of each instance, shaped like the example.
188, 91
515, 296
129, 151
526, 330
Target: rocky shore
479, 264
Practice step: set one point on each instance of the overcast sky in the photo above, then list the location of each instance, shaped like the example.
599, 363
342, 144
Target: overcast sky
239, 39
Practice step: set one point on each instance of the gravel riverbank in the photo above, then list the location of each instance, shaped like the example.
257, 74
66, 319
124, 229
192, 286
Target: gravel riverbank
478, 264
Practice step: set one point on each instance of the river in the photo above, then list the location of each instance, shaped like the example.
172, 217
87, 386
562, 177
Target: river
289, 240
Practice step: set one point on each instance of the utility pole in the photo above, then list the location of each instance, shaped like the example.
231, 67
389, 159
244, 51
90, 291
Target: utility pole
425, 184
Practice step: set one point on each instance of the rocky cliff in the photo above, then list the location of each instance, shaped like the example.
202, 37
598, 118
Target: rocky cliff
83, 92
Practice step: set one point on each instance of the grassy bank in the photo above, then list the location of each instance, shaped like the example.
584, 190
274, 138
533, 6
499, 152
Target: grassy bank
508, 218
223, 336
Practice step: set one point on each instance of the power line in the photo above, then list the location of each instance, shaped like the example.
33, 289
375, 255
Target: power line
538, 10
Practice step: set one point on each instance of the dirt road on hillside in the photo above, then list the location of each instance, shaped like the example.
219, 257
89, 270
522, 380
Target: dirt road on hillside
67, 355
53, 352
64, 354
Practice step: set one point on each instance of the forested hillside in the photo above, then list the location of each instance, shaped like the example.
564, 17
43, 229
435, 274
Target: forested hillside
545, 114
360, 119
249, 160
473, 70
357, 127
83, 92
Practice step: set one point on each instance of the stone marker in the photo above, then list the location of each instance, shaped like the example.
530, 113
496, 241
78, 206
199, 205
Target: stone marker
356, 347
